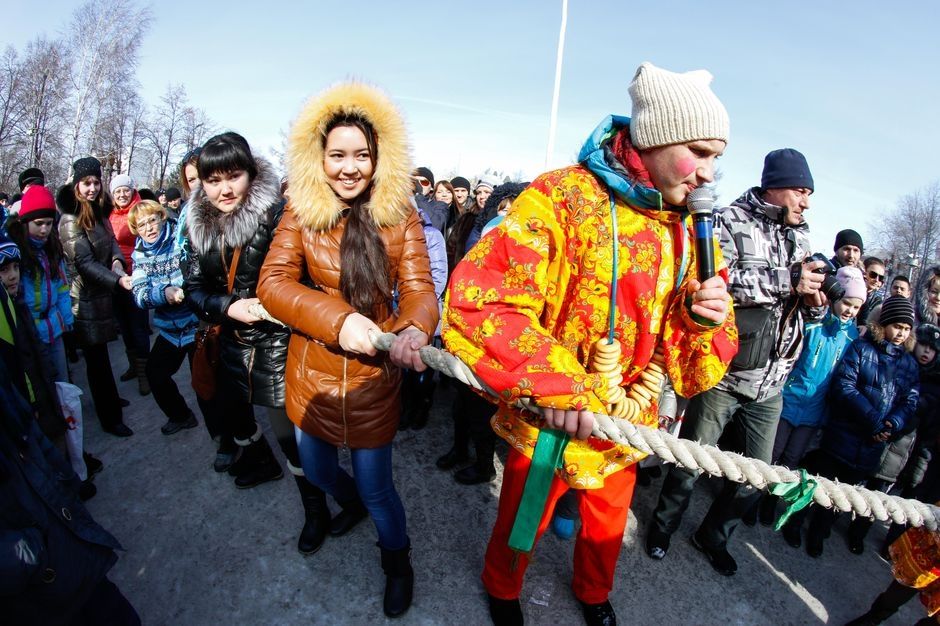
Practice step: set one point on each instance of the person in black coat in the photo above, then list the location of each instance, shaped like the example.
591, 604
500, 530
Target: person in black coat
54, 557
238, 206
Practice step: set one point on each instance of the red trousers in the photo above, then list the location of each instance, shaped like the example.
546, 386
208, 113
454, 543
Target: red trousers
603, 520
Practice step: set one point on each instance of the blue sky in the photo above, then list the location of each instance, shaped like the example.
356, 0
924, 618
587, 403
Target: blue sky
854, 86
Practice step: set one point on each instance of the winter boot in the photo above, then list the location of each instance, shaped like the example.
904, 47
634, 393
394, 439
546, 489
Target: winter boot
505, 612
131, 370
143, 383
353, 512
399, 580
174, 426
482, 470
258, 464
316, 513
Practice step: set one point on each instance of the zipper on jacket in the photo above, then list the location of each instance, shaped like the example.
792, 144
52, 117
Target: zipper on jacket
251, 364
345, 427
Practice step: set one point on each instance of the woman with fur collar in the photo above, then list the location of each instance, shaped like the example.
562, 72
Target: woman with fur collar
237, 207
349, 238
97, 270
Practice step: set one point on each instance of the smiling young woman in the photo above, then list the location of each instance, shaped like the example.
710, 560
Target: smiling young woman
98, 270
349, 240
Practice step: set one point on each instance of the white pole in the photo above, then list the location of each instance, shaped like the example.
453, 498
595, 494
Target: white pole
561, 53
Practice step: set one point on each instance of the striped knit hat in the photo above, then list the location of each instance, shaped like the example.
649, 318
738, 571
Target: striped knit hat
8, 251
897, 310
670, 108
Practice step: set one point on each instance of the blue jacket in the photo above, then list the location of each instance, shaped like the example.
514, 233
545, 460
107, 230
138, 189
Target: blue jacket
46, 294
52, 553
804, 393
874, 383
157, 266
437, 253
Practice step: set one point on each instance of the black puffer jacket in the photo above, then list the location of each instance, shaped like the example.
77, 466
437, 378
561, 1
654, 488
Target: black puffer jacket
253, 357
89, 255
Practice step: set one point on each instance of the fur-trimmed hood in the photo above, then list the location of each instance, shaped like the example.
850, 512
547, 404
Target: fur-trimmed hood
68, 204
313, 202
205, 223
922, 311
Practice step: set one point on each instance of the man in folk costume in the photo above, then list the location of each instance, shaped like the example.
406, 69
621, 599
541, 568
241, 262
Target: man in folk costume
534, 310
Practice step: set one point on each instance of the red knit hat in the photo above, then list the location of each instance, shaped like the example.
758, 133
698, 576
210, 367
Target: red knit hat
37, 203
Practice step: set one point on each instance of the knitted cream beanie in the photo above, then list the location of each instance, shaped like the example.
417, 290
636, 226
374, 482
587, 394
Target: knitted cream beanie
671, 108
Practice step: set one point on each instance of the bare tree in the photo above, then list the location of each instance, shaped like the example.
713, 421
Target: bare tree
104, 38
196, 128
911, 232
163, 132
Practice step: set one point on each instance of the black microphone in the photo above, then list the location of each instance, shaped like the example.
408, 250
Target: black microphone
701, 204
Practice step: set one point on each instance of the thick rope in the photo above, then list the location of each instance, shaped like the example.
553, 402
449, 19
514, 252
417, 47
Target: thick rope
709, 459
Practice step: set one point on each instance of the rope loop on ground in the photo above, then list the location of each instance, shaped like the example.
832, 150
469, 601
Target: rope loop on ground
697, 457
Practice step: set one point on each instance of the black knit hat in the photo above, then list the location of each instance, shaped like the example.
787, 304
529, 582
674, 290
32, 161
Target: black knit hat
896, 310
426, 173
173, 194
929, 335
848, 237
460, 182
86, 166
786, 168
32, 175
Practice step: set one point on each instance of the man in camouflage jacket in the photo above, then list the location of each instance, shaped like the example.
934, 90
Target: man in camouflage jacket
764, 241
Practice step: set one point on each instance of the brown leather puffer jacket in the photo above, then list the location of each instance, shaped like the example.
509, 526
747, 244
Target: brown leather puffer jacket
344, 399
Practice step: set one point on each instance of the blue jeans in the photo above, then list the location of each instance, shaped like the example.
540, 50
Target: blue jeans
372, 468
705, 420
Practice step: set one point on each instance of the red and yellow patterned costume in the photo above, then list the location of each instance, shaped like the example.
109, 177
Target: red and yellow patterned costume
530, 300
915, 563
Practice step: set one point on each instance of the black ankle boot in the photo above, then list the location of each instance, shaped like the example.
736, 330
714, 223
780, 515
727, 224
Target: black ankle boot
316, 516
452, 459
351, 514
598, 614
399, 580
258, 465
767, 513
482, 470
505, 612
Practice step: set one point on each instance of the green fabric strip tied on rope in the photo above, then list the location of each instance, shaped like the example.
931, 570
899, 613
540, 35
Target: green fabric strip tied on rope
547, 457
797, 496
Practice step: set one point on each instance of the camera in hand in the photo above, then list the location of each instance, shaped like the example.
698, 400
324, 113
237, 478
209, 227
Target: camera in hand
831, 287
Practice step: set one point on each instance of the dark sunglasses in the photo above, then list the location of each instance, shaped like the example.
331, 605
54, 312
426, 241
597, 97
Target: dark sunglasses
876, 276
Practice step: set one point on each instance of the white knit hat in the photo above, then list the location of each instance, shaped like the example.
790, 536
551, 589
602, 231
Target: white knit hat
671, 108
121, 180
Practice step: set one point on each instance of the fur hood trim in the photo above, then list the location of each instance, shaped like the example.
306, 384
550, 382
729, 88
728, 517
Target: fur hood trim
68, 204
205, 223
313, 202
924, 314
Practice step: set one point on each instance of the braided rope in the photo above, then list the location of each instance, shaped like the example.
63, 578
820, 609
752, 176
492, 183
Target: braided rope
709, 459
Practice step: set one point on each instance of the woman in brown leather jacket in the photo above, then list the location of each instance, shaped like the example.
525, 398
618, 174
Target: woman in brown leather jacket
348, 240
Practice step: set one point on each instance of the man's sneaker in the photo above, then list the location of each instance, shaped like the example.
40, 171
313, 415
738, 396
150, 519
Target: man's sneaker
719, 558
657, 544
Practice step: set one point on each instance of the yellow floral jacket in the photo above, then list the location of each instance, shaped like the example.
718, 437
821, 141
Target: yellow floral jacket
527, 304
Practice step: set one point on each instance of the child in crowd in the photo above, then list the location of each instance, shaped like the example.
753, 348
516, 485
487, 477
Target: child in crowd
872, 397
29, 369
157, 284
45, 286
804, 394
